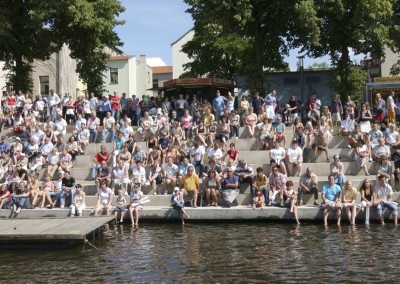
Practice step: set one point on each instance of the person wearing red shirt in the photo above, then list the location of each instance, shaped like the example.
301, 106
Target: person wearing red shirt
115, 105
232, 153
98, 158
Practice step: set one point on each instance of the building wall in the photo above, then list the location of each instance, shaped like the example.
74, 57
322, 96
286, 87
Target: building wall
161, 77
123, 77
288, 84
45, 68
178, 57
132, 78
144, 77
391, 58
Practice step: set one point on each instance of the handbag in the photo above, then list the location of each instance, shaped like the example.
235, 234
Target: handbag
338, 205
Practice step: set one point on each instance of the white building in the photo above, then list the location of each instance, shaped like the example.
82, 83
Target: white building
178, 57
160, 75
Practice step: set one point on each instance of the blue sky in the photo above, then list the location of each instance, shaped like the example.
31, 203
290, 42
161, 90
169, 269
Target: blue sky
152, 25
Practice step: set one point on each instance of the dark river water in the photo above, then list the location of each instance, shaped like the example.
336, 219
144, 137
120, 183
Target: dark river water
217, 253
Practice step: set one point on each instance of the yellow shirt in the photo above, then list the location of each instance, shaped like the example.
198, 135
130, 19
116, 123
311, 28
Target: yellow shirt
350, 194
207, 118
190, 182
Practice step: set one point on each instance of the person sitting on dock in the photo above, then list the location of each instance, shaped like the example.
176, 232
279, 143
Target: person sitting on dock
229, 188
308, 184
383, 194
178, 204
120, 207
135, 204
190, 185
290, 199
78, 204
277, 183
331, 198
68, 190
19, 199
104, 199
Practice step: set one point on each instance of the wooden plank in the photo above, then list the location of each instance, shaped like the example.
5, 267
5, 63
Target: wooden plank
50, 229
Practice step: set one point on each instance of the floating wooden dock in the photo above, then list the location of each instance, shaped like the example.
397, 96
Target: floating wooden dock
56, 233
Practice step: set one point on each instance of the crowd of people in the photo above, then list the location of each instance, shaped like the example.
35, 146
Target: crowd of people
191, 151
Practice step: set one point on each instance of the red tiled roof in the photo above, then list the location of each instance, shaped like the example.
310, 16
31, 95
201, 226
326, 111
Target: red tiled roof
162, 69
119, 58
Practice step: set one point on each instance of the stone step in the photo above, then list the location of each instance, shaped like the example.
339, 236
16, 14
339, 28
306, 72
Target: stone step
241, 212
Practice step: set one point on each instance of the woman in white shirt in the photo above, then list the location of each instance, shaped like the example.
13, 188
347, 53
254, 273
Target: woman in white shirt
295, 158
277, 157
104, 199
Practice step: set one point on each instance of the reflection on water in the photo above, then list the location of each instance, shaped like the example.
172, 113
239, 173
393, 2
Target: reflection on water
218, 253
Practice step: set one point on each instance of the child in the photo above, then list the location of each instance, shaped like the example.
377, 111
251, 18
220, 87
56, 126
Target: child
121, 207
79, 201
177, 204
258, 200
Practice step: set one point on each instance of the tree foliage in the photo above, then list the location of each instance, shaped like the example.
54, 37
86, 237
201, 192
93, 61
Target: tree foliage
319, 66
362, 26
34, 29
247, 36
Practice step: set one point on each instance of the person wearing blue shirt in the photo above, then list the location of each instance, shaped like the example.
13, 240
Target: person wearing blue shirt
4, 146
331, 198
229, 188
218, 105
270, 103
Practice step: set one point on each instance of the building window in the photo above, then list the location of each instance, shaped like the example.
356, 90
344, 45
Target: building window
114, 75
148, 77
155, 83
44, 84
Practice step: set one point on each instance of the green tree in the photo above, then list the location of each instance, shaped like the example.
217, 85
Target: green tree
34, 29
362, 26
355, 84
247, 36
319, 66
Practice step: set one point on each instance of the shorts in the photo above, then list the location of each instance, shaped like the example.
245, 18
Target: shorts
336, 117
120, 209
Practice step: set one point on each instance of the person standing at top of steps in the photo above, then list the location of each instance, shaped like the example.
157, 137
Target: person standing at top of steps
218, 105
270, 104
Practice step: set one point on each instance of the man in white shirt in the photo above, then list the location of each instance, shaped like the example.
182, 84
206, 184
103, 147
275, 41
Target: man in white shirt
109, 127
215, 152
80, 120
392, 137
46, 147
93, 127
20, 98
196, 155
391, 108
93, 102
380, 150
53, 101
383, 193
83, 137
60, 126
37, 133
295, 157
64, 102
347, 125
170, 172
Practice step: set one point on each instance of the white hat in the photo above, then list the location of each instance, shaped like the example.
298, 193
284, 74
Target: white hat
176, 189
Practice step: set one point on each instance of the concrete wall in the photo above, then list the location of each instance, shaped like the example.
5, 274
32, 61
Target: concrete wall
178, 57
132, 78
